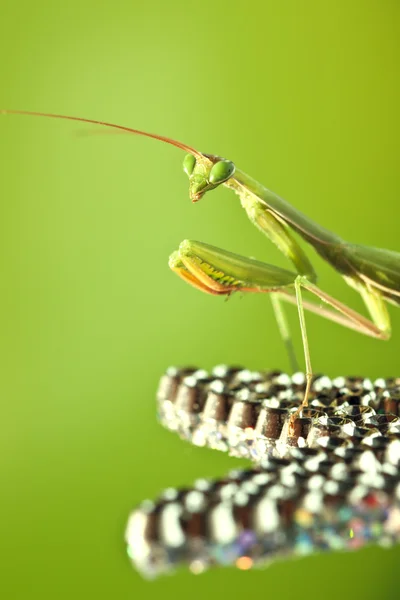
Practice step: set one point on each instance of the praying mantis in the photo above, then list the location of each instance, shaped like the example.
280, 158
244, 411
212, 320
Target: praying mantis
373, 272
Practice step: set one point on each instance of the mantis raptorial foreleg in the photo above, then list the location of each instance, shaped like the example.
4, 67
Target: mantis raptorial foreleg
220, 272
278, 231
280, 234
217, 271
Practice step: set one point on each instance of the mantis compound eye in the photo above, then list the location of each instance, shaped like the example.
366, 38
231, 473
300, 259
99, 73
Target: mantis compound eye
189, 163
221, 171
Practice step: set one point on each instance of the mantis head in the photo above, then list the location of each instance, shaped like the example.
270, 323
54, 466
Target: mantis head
206, 173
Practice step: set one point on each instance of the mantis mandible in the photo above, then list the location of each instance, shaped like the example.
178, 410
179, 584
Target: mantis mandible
373, 272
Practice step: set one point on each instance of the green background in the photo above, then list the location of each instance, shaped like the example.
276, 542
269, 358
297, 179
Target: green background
302, 95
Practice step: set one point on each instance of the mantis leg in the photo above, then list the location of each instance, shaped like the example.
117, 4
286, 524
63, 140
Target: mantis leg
279, 233
342, 314
219, 272
300, 307
284, 330
378, 328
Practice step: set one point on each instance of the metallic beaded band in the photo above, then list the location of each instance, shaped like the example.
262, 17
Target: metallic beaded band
334, 484
247, 413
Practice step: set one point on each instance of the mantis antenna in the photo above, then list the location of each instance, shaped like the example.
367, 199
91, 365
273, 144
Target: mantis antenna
154, 136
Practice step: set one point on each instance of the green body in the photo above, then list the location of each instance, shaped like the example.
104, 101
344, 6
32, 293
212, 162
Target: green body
373, 272
381, 267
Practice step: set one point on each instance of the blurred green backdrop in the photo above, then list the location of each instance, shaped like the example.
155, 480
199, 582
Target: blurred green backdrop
302, 95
